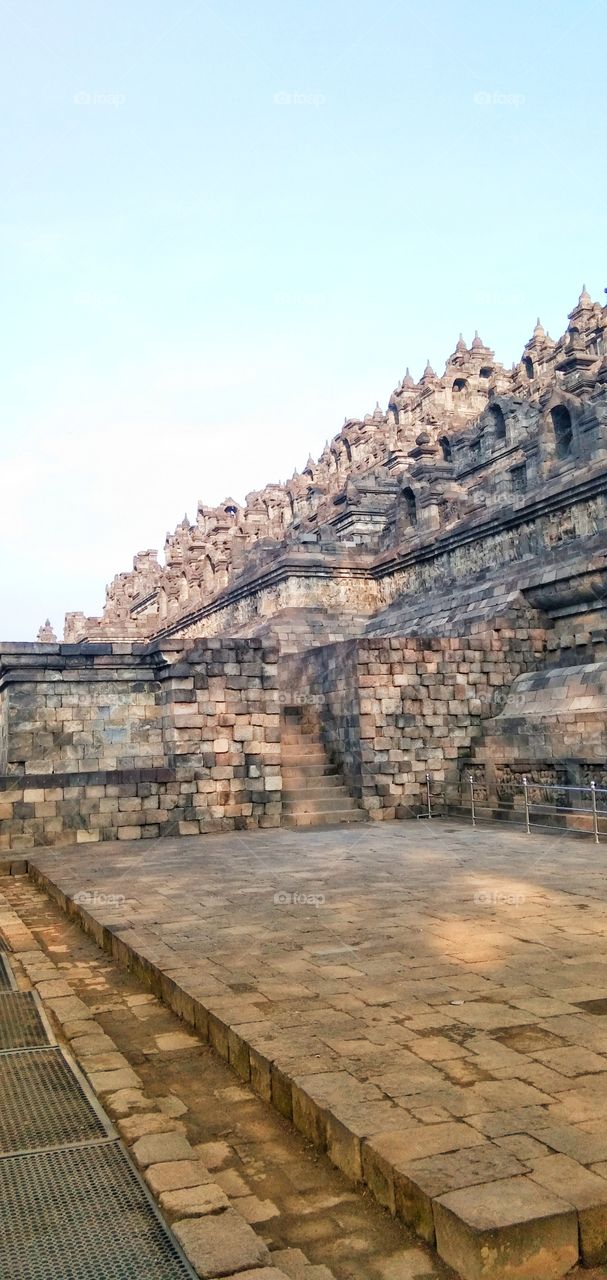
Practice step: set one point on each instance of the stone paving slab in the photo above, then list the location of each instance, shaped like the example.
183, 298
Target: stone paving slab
414, 996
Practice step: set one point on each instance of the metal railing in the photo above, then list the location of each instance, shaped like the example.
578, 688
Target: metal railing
585, 811
584, 817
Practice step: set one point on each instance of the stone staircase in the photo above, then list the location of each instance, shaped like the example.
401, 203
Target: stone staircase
314, 792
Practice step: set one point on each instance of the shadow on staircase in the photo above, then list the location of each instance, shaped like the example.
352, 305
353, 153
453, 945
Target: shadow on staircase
314, 791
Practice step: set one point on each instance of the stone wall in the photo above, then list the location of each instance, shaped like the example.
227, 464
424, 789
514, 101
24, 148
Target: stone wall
83, 725
552, 730
267, 594
423, 705
555, 714
394, 709
132, 741
222, 719
62, 809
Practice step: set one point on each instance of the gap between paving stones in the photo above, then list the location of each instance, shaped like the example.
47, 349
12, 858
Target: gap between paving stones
468, 1226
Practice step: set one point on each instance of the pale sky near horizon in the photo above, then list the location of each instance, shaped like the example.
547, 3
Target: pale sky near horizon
225, 226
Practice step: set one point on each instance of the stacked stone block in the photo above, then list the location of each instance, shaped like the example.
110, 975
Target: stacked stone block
170, 741
182, 738
422, 707
221, 722
105, 724
74, 708
49, 809
395, 709
551, 731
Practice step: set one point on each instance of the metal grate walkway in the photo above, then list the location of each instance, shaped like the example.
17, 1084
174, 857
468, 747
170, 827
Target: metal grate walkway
71, 1203
7, 982
82, 1215
44, 1104
23, 1023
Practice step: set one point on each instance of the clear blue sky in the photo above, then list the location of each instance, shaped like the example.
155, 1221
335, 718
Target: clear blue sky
226, 225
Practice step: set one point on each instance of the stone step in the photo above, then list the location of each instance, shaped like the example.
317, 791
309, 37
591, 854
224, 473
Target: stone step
300, 773
292, 755
309, 783
333, 818
307, 762
323, 805
320, 792
314, 792
299, 739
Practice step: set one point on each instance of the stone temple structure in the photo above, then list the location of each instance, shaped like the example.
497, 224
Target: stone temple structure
428, 598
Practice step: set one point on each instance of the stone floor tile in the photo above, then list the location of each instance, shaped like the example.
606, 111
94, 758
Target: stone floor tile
506, 1229
218, 1245
157, 1148
263, 1273
126, 1101
53, 988
190, 1202
522, 1146
69, 1009
176, 1040
507, 1095
417, 1184
410, 1264
255, 1210
133, 1127
89, 1045
292, 1261
572, 1061
232, 1183
571, 1140
584, 1189
451, 1170
173, 1175
111, 1081
401, 1146
171, 1106
436, 1048
497, 1124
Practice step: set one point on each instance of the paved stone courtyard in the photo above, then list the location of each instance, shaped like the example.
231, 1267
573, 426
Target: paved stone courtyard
425, 1000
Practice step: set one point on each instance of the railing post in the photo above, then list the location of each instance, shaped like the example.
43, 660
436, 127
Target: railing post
526, 793
428, 795
595, 816
472, 810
